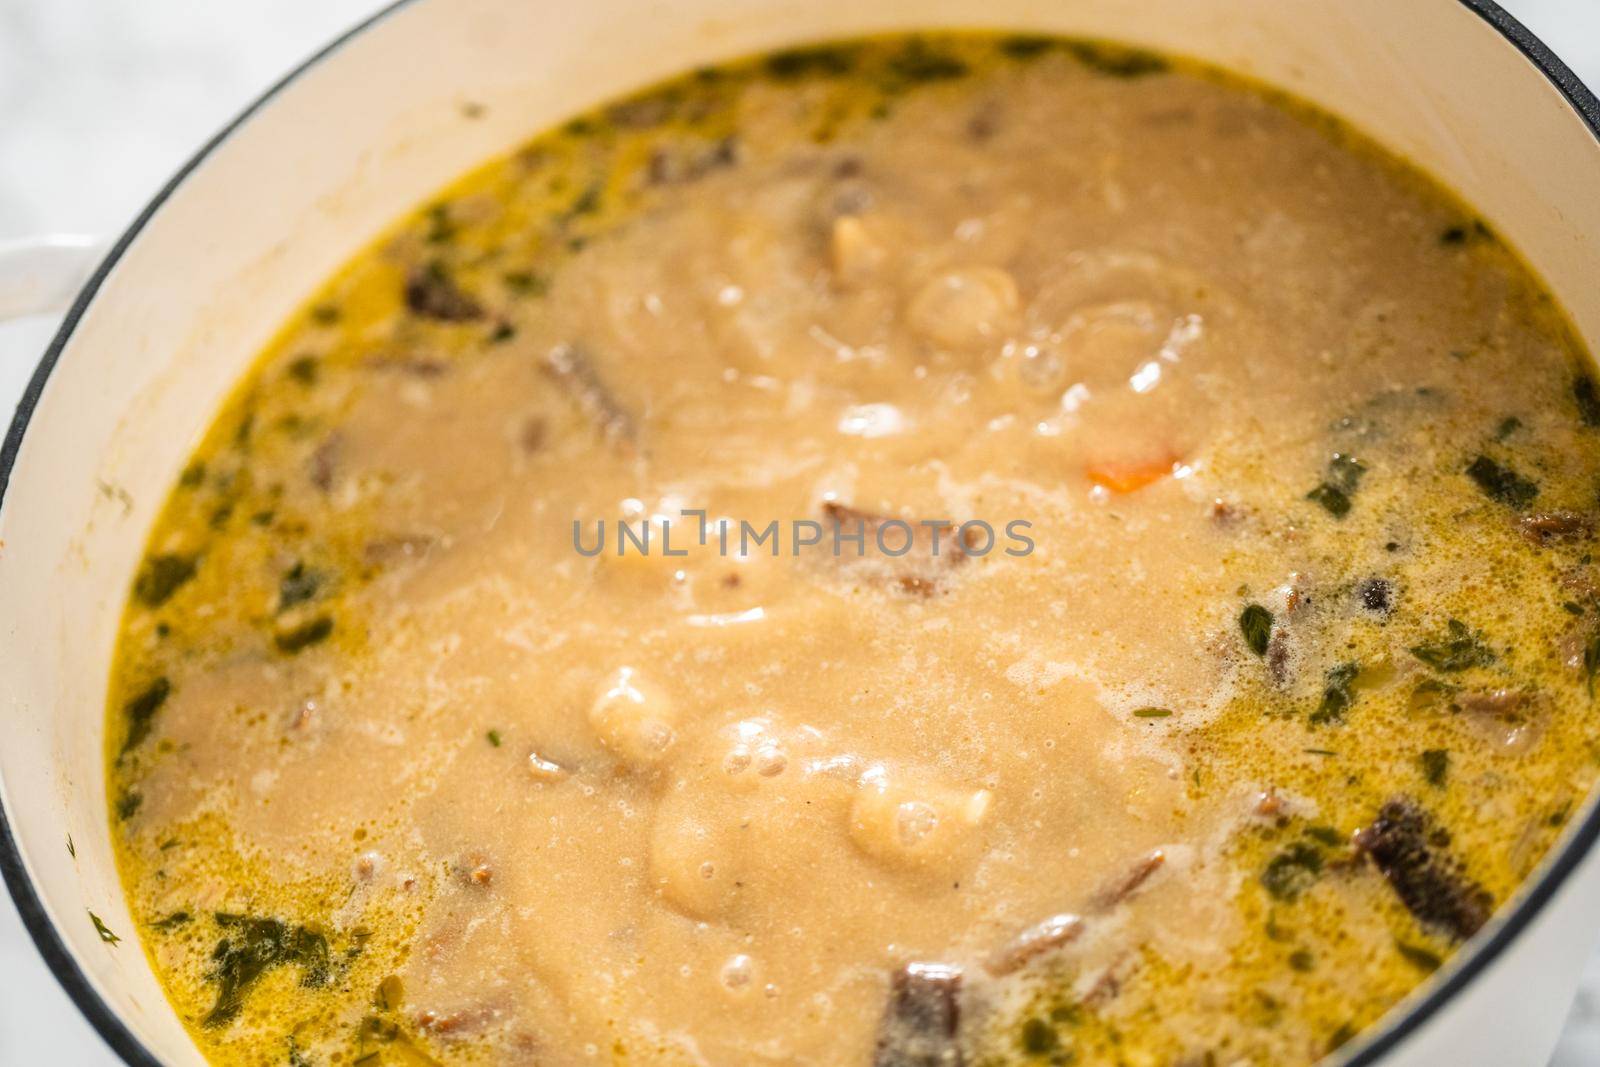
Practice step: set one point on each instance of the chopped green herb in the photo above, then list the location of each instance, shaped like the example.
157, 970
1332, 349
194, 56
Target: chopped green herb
140, 711
1025, 46
192, 475
1341, 1037
1332, 499
1255, 622
1038, 1037
325, 314
1460, 649
917, 63
1345, 471
297, 586
103, 930
1591, 660
1508, 426
1291, 872
128, 802
1301, 960
1115, 61
1502, 484
588, 201
161, 576
1152, 713
72, 850
823, 61
1343, 478
526, 283
305, 635
1587, 394
1419, 957
441, 228
171, 922
1325, 835
1476, 230
304, 369
493, 737
1336, 694
249, 949
1435, 763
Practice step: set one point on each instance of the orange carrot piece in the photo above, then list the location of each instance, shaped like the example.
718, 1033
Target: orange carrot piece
1129, 477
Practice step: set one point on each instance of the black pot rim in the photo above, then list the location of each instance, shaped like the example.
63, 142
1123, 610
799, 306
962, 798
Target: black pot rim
1372, 1044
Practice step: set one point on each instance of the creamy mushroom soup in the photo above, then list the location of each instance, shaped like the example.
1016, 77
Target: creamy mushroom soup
927, 551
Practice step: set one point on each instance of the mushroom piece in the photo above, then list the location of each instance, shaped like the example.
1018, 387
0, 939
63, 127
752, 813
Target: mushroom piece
1033, 942
1508, 719
1116, 892
1547, 527
920, 1023
1066, 927
1410, 849
908, 555
433, 294
574, 370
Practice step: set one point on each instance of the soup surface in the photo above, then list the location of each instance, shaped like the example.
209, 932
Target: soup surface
921, 551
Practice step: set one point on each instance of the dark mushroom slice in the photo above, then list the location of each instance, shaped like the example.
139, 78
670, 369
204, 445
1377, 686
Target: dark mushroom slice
1033, 942
1110, 981
322, 466
1376, 595
1129, 883
571, 366
1512, 720
1548, 527
922, 1018
433, 294
1412, 852
1063, 929
867, 548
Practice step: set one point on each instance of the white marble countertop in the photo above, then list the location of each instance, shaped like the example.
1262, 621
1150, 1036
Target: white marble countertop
100, 100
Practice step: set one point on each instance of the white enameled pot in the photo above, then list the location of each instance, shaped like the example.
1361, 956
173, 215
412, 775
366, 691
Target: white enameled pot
374, 123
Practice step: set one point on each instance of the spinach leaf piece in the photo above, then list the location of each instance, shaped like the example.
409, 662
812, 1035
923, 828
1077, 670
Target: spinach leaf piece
297, 586
304, 636
1344, 476
1587, 394
140, 711
1336, 694
1332, 499
1435, 763
1502, 484
251, 947
1255, 622
1291, 872
161, 576
1460, 649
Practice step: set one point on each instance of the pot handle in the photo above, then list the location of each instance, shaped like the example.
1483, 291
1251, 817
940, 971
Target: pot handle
41, 275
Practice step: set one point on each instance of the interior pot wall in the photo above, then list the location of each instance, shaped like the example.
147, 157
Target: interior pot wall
370, 131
